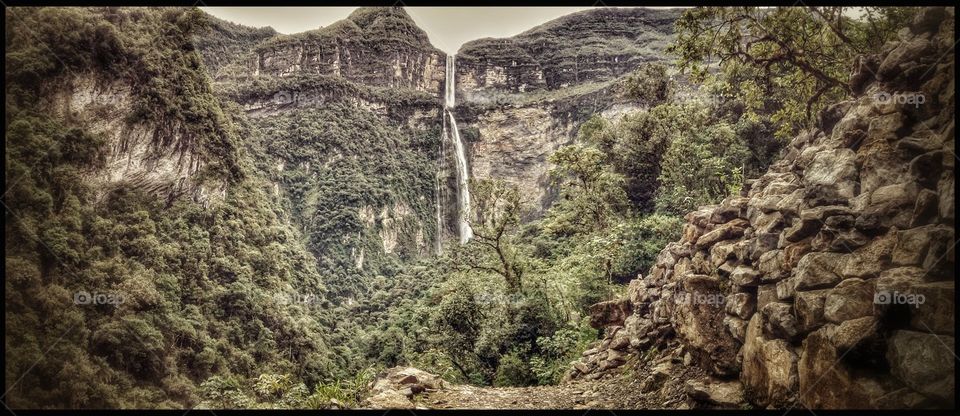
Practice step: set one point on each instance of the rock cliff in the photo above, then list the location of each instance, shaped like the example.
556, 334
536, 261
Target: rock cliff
348, 120
829, 282
523, 97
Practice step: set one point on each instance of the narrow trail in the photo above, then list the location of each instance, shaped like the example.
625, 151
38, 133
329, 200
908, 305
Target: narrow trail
611, 394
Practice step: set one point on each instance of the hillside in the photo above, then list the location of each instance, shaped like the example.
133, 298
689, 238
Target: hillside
622, 208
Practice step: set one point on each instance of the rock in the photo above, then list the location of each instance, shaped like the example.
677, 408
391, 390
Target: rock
388, 399
770, 266
928, 246
926, 209
924, 362
658, 375
741, 305
851, 299
762, 244
905, 52
769, 373
793, 253
936, 307
853, 332
871, 259
785, 289
609, 313
801, 229
766, 294
809, 307
723, 394
736, 326
745, 276
946, 205
833, 170
732, 229
698, 320
780, 321
816, 271
724, 214
825, 380
581, 367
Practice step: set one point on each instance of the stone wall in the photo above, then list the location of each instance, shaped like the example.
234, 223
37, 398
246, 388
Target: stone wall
829, 283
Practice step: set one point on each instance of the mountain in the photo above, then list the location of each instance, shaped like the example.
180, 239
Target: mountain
525, 96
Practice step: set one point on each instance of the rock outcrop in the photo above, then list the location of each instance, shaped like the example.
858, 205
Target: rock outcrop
394, 388
521, 98
829, 282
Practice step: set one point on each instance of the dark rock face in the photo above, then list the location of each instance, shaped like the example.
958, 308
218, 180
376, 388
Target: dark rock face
527, 95
849, 302
590, 46
380, 47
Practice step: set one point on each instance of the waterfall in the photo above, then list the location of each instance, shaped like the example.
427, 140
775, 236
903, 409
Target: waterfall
463, 172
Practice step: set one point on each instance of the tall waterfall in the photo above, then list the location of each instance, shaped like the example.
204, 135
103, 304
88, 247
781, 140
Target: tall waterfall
463, 172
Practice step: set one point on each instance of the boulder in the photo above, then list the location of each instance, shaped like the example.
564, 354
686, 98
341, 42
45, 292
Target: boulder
715, 393
771, 267
832, 170
817, 271
780, 321
741, 305
609, 313
769, 373
930, 246
745, 276
730, 230
924, 362
851, 334
851, 299
825, 380
809, 306
936, 312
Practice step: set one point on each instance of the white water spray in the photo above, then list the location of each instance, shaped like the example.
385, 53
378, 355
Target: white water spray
463, 172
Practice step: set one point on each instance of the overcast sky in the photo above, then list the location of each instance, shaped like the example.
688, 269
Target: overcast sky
447, 27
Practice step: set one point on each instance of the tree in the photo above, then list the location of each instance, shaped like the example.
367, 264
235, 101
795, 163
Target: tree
701, 168
796, 59
497, 206
591, 192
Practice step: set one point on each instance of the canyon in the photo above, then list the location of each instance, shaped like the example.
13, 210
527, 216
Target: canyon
282, 209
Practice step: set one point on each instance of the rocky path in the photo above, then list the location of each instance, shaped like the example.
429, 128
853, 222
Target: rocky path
664, 382
612, 394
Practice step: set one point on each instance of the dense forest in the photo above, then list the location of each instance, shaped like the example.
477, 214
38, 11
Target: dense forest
292, 255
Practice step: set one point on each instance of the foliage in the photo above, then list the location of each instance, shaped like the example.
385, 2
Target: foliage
700, 168
790, 61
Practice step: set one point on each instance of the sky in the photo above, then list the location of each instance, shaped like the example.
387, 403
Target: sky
447, 27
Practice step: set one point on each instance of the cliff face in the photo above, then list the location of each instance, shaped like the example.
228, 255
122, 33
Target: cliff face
380, 47
829, 283
583, 47
527, 95
347, 120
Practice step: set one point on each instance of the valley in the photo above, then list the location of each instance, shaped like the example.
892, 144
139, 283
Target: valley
623, 208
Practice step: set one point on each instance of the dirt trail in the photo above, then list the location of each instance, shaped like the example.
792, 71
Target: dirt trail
610, 393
